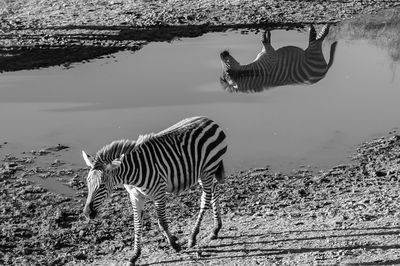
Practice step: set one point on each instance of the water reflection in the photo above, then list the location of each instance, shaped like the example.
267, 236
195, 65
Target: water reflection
272, 68
382, 30
315, 125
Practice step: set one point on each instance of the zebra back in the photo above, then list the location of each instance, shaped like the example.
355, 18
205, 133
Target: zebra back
177, 156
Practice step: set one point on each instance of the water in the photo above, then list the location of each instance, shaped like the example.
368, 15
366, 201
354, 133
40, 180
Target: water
91, 104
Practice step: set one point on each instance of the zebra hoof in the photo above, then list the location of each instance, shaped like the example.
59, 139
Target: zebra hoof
176, 247
192, 243
132, 261
173, 244
213, 236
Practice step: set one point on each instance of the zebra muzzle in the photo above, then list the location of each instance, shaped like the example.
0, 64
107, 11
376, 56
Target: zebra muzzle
89, 212
224, 54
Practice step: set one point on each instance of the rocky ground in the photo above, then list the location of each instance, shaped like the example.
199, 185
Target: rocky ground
40, 33
348, 215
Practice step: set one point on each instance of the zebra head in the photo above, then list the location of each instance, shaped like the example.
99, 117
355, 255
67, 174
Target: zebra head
99, 183
229, 67
229, 63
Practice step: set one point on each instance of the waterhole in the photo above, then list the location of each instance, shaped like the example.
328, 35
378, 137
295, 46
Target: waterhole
314, 123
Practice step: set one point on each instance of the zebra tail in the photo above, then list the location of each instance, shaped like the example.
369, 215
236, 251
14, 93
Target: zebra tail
332, 54
220, 173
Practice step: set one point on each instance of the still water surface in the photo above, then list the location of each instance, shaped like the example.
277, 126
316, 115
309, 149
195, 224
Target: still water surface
91, 104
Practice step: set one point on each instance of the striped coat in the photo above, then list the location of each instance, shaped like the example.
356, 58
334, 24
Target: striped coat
172, 160
272, 68
176, 157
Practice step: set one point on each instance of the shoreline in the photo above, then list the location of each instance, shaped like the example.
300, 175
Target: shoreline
61, 33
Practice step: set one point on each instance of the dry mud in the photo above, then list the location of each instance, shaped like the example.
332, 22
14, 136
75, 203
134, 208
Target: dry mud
348, 215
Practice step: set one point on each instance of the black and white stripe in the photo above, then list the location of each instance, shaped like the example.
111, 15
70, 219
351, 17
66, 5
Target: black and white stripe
172, 160
272, 68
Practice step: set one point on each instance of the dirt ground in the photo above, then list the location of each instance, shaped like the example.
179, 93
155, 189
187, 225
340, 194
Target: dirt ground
347, 215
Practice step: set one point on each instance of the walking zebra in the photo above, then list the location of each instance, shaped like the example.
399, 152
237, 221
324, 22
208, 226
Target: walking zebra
271, 68
172, 160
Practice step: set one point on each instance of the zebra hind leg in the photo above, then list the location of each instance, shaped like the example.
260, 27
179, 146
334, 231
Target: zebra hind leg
266, 38
219, 178
216, 214
324, 31
205, 204
163, 224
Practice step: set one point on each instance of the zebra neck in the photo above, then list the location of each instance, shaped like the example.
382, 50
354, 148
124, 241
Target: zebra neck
113, 178
138, 167
265, 61
117, 177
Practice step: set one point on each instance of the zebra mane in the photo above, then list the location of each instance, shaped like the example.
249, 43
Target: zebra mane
112, 151
143, 139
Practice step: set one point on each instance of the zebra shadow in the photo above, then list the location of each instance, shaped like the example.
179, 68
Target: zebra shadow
387, 232
288, 65
377, 262
214, 254
261, 245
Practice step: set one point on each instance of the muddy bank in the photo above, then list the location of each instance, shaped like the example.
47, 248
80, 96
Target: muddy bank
60, 32
260, 210
49, 14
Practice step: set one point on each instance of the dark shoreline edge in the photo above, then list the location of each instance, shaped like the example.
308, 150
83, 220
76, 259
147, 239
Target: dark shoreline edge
63, 46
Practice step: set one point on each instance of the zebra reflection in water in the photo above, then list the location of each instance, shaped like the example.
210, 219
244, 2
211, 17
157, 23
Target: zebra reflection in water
272, 68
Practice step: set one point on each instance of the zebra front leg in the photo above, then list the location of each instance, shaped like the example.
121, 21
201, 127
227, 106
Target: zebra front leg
313, 34
163, 223
205, 204
137, 200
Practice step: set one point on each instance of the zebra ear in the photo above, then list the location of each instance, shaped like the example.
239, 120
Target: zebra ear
115, 164
88, 159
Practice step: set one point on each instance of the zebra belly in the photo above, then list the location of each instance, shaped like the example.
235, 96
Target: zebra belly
176, 184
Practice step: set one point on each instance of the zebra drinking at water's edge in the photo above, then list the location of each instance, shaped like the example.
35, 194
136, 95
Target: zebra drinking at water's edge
172, 160
272, 68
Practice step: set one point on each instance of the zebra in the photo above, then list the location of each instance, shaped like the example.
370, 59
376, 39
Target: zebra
172, 160
272, 68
